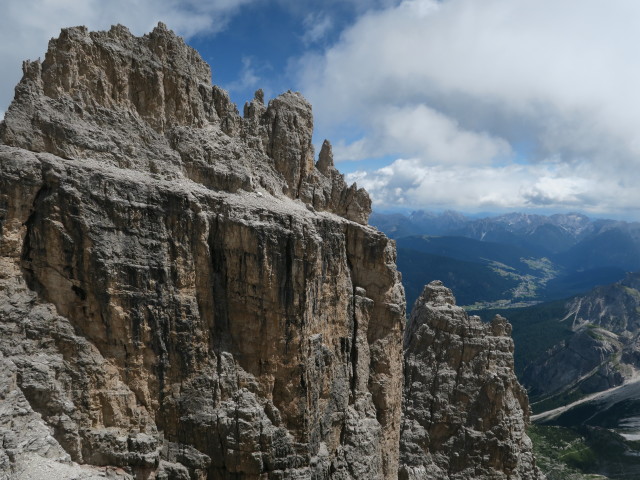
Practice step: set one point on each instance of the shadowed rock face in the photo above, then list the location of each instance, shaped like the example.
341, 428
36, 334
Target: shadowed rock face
184, 294
603, 351
465, 413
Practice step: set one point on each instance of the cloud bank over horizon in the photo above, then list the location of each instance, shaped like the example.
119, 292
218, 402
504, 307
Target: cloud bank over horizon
497, 104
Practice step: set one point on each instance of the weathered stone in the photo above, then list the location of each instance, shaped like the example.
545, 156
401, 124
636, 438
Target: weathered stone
147, 104
185, 295
169, 303
464, 411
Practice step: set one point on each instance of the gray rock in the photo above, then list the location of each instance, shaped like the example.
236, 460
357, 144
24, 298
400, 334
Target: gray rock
147, 104
171, 305
464, 414
185, 295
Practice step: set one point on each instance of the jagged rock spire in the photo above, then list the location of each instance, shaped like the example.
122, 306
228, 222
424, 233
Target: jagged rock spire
147, 103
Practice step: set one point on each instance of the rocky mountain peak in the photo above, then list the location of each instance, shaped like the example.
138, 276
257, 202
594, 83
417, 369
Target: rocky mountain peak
465, 413
437, 295
147, 104
325, 159
185, 294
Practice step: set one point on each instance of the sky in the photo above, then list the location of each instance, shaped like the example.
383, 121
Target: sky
470, 105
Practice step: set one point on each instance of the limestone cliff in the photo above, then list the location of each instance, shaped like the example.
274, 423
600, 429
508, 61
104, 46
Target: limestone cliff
465, 413
186, 294
147, 104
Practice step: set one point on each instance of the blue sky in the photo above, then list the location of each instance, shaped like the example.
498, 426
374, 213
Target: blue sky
473, 105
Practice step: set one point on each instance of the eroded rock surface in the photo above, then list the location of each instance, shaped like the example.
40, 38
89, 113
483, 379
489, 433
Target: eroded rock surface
187, 294
147, 104
184, 294
465, 413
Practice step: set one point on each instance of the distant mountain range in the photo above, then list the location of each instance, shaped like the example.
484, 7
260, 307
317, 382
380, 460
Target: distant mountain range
510, 260
580, 361
576, 327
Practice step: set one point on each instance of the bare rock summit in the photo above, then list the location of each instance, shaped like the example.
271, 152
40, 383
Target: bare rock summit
464, 413
187, 293
147, 104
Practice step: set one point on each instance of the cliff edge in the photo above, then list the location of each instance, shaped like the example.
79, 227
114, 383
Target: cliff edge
186, 293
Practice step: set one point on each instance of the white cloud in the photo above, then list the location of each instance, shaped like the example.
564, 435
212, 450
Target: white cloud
249, 77
408, 182
439, 138
27, 25
466, 82
317, 26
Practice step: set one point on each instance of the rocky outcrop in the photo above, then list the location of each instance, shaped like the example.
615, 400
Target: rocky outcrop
147, 104
465, 413
603, 351
184, 294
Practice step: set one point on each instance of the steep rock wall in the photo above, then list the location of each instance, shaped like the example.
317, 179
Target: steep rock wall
184, 294
172, 305
465, 413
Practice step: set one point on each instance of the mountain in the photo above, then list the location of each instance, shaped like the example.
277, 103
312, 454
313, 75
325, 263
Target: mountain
472, 282
579, 359
461, 395
536, 329
476, 271
522, 259
484, 274
611, 247
568, 349
186, 293
573, 237
602, 351
468, 249
572, 226
397, 225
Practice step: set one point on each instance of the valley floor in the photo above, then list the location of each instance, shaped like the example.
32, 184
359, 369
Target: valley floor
597, 436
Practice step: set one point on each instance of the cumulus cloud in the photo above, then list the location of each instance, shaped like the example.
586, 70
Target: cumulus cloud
550, 186
421, 130
27, 25
462, 82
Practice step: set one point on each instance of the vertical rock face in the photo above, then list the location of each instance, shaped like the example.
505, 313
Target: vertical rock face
183, 294
464, 412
